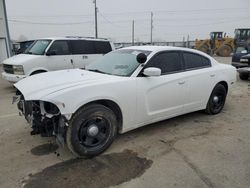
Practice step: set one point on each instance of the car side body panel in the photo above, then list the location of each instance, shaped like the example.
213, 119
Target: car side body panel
142, 100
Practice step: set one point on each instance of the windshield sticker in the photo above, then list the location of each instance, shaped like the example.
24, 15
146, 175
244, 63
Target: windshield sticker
136, 52
121, 67
44, 42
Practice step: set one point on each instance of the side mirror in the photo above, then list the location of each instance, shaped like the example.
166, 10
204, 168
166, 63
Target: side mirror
152, 71
50, 53
141, 58
244, 52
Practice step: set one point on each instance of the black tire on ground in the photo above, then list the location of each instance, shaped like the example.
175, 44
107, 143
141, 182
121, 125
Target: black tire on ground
224, 51
244, 76
217, 100
91, 130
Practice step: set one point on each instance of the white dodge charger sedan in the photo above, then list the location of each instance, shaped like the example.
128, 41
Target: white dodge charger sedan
126, 89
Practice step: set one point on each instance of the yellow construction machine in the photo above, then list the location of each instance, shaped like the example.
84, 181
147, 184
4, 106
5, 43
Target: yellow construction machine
218, 44
242, 37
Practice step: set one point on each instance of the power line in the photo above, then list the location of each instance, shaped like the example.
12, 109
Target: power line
204, 24
135, 12
110, 22
47, 23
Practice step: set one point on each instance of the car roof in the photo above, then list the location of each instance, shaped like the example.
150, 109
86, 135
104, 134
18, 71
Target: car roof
73, 38
156, 49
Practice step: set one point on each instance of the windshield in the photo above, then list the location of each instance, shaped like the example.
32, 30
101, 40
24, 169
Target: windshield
121, 62
38, 47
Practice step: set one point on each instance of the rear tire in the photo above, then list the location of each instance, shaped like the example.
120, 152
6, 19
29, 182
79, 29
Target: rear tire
224, 51
217, 100
205, 49
244, 76
91, 130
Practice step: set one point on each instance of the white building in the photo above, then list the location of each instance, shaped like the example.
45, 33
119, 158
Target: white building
5, 50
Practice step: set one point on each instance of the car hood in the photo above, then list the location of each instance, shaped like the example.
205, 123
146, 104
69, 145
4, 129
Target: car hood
37, 86
20, 59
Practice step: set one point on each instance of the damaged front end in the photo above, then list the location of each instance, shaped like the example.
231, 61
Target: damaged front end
44, 117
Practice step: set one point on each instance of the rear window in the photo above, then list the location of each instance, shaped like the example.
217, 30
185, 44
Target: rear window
239, 50
195, 61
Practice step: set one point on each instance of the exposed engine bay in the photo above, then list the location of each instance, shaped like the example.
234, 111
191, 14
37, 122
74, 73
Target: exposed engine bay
44, 117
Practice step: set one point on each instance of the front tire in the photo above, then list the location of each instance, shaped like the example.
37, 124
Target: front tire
91, 130
217, 100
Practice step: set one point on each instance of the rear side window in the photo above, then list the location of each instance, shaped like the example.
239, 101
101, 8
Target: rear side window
83, 47
60, 47
168, 62
102, 47
194, 61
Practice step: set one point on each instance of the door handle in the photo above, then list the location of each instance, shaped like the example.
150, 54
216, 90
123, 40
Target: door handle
212, 75
85, 57
181, 82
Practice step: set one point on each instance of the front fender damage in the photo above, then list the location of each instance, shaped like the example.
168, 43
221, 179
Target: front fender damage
44, 117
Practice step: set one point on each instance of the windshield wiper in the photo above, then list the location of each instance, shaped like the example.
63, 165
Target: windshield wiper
96, 70
29, 53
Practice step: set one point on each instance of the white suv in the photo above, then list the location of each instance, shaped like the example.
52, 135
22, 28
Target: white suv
52, 54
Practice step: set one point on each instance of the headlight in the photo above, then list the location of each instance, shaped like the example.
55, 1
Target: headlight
18, 69
51, 108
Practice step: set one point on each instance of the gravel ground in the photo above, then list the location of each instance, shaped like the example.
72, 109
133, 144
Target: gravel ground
193, 150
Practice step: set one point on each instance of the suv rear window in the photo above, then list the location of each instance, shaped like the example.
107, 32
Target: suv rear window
102, 47
90, 47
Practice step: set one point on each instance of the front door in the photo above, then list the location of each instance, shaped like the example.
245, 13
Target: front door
162, 97
61, 57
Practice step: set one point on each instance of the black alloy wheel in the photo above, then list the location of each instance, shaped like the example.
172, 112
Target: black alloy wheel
217, 100
91, 130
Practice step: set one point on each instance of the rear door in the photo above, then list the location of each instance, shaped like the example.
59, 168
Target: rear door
201, 78
61, 59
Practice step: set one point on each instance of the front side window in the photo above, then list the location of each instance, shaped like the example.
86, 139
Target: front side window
38, 47
60, 47
168, 62
195, 61
120, 62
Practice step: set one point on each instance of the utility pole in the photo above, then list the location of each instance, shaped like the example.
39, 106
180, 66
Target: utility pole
151, 32
96, 31
133, 33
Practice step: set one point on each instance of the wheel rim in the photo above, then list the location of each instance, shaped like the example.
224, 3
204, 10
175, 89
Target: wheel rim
94, 132
218, 100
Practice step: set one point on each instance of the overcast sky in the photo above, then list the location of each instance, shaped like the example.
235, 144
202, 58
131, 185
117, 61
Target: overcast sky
173, 19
